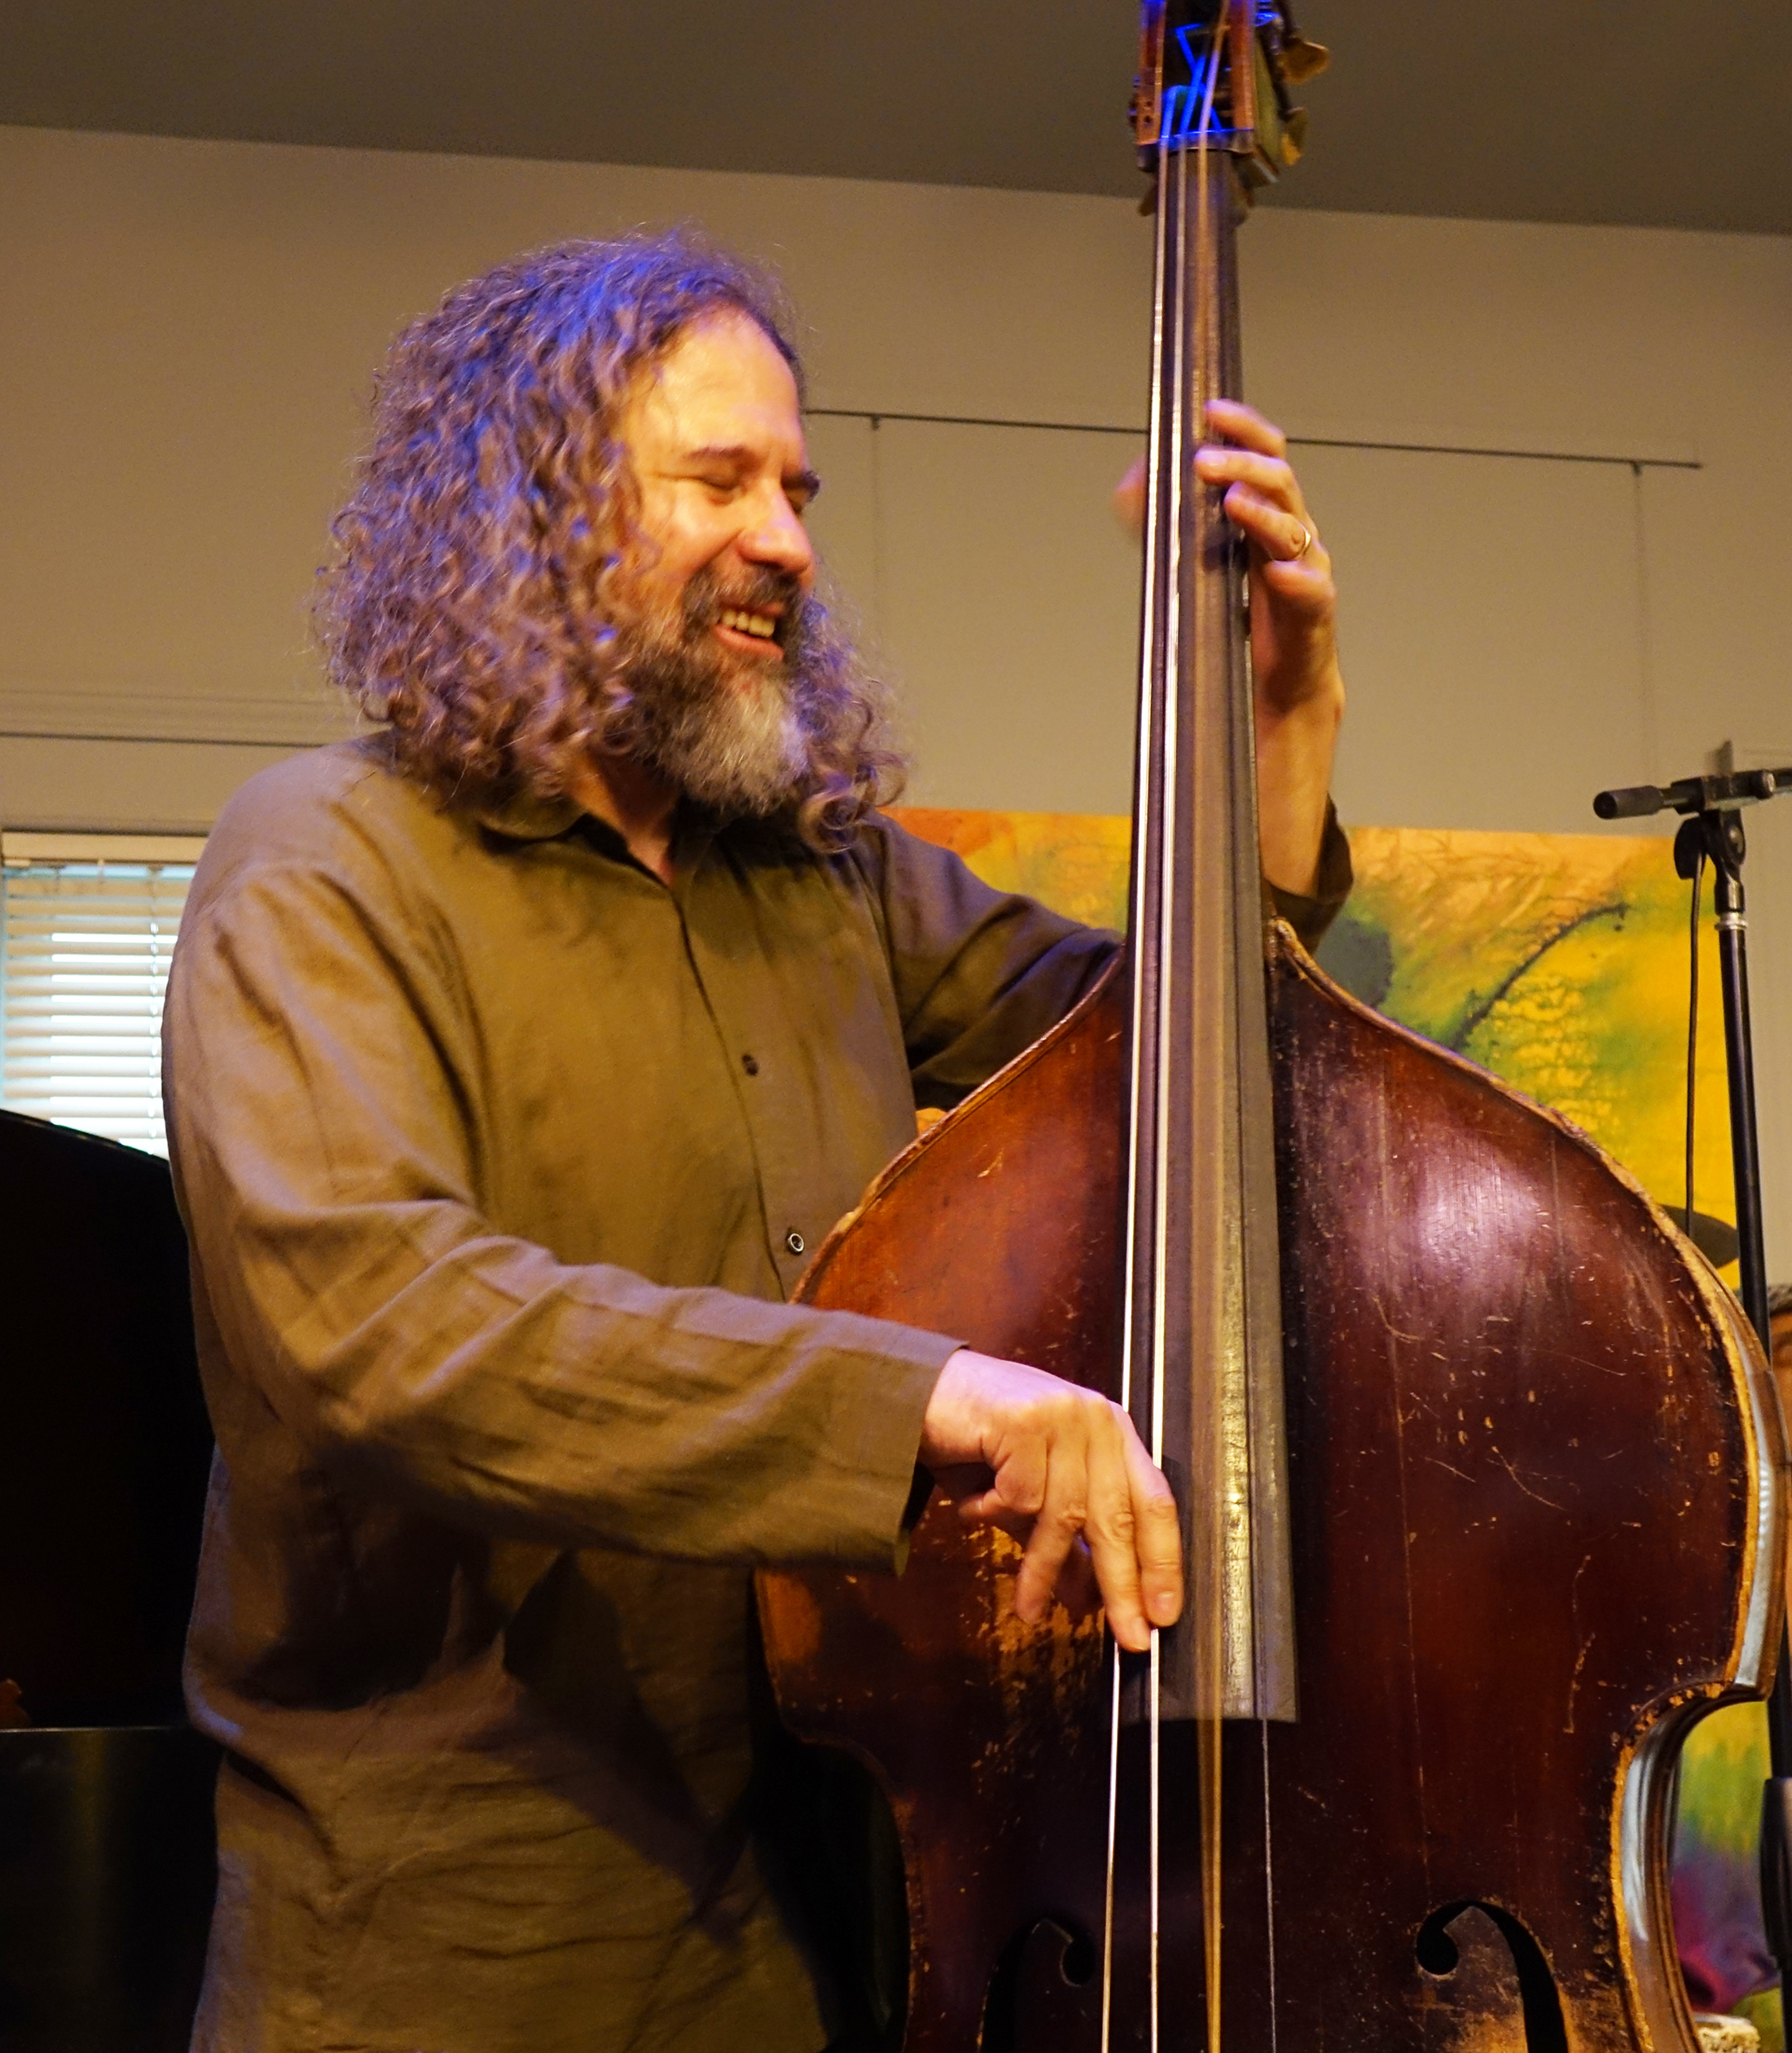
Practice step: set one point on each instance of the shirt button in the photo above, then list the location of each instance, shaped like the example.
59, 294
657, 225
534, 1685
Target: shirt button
750, 1064
795, 1242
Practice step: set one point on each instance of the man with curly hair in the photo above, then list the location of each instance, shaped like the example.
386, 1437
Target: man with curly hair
518, 1053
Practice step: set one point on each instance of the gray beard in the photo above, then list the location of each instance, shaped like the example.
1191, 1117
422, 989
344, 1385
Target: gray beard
726, 731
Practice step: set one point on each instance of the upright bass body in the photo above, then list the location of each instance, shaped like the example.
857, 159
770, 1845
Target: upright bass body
1532, 1477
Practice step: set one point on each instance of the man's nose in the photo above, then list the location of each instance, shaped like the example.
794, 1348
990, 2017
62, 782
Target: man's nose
778, 539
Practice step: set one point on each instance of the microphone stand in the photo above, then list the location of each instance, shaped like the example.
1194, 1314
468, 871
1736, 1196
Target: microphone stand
1712, 830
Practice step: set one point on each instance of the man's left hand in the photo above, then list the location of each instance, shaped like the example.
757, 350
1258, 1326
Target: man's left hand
1293, 645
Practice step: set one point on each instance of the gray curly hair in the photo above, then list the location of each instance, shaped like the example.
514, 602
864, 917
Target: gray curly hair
472, 600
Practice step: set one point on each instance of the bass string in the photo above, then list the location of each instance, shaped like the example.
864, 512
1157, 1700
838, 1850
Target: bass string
1169, 938
1147, 855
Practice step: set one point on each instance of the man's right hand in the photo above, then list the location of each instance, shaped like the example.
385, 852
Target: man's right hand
1062, 1469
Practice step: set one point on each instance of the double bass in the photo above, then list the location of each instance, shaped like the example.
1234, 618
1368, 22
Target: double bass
1479, 1469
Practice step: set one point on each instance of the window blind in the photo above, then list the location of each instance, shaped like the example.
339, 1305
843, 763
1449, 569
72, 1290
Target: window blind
89, 923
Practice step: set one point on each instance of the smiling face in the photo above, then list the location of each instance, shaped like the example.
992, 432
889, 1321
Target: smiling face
714, 437
730, 672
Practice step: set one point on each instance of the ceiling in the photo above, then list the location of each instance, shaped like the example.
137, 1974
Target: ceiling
1651, 113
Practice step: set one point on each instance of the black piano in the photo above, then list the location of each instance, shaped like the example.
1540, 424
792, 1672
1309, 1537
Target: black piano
106, 1848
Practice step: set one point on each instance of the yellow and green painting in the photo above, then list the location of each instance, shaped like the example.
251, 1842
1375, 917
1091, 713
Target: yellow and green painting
1560, 962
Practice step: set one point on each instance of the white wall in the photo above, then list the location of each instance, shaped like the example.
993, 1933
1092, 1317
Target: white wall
187, 329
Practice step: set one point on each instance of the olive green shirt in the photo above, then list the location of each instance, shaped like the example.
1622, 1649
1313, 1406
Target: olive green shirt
499, 1159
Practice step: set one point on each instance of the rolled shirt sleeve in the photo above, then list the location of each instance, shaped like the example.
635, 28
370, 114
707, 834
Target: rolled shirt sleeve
1310, 914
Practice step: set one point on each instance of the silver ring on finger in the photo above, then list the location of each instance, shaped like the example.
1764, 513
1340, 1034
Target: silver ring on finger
1307, 539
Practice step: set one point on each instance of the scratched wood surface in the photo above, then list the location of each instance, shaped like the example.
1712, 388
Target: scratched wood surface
986, 1732
1525, 1475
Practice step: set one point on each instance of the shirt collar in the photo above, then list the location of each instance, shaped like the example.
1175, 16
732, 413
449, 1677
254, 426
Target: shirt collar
524, 818
521, 818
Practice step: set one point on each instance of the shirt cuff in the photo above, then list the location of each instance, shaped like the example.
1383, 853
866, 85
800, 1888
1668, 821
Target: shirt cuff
1311, 916
874, 1429
919, 1494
